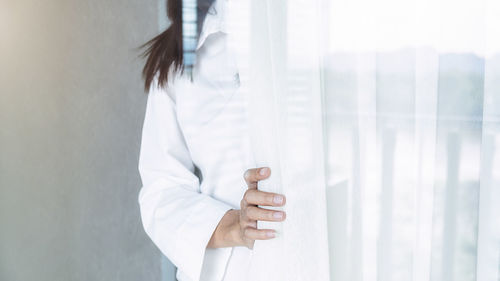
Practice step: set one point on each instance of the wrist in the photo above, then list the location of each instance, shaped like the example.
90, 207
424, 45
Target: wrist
227, 233
233, 231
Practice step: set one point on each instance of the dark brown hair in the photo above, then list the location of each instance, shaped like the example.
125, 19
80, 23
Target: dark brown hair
165, 51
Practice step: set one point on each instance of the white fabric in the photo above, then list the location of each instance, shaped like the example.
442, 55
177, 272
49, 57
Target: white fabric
286, 126
410, 97
188, 125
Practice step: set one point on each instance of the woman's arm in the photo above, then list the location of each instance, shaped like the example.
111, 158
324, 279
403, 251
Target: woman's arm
239, 227
176, 216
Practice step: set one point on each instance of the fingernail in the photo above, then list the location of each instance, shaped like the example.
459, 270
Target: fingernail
270, 234
278, 215
278, 199
263, 171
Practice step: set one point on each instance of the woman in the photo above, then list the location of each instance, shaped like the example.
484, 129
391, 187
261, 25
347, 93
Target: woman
195, 204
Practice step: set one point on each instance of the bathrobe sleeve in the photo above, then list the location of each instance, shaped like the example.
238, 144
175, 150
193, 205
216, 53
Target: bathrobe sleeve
176, 216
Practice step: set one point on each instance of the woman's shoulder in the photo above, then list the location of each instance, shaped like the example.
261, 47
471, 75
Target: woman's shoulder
177, 80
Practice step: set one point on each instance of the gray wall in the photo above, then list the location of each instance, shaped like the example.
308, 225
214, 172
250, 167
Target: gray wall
71, 111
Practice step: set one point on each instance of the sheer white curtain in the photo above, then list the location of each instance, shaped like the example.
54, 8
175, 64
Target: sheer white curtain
381, 122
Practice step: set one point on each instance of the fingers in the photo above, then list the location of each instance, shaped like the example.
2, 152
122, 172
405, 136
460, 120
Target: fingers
259, 234
260, 214
256, 197
251, 213
252, 176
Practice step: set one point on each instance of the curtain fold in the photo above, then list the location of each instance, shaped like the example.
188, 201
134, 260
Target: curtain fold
286, 127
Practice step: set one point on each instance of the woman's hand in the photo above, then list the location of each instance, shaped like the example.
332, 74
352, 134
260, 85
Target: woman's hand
250, 213
239, 227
